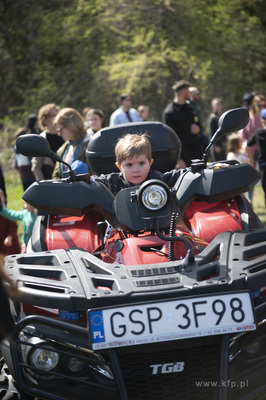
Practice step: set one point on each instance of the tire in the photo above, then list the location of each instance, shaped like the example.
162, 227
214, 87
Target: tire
8, 388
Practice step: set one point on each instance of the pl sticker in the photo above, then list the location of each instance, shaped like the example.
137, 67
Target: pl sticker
97, 327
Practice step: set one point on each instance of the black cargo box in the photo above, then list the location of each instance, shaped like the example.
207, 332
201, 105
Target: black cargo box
166, 146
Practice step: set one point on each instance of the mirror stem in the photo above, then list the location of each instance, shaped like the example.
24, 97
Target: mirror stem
71, 172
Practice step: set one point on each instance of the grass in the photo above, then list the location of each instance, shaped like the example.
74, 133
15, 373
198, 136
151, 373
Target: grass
15, 202
259, 204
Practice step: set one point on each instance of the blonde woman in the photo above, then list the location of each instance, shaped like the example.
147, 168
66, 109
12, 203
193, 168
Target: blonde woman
70, 126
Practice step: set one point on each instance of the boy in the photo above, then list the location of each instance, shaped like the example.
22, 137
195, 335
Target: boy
133, 159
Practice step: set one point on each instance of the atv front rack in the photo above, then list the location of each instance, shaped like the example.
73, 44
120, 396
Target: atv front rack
73, 279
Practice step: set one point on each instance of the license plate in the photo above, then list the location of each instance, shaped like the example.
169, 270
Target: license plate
166, 320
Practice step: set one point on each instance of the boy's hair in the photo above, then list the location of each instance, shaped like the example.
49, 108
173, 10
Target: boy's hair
133, 145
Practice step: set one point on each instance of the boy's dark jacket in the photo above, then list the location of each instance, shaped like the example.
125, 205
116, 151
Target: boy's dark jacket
116, 181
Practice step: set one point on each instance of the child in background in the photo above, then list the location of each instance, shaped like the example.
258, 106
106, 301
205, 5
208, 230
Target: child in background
27, 216
9, 241
235, 149
144, 112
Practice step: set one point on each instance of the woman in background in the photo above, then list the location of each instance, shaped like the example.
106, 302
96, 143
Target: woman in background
95, 121
70, 127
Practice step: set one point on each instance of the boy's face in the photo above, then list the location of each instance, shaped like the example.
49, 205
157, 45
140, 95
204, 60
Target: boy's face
136, 169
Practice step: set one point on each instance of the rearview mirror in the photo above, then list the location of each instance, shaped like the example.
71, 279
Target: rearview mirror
32, 145
230, 121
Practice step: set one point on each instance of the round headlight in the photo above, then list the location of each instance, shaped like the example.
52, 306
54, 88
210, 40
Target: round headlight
44, 359
154, 197
76, 365
252, 345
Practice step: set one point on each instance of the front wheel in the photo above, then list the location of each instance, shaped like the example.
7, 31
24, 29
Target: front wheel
8, 387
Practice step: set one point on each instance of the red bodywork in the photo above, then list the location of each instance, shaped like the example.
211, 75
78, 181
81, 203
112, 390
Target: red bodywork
64, 232
206, 221
201, 223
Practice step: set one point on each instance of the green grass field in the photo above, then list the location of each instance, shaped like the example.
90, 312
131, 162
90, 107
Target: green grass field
15, 202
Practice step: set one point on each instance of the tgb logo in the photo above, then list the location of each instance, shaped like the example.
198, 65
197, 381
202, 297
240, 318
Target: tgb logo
167, 368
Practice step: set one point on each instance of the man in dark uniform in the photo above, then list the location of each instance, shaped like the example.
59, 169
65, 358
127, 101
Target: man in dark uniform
181, 117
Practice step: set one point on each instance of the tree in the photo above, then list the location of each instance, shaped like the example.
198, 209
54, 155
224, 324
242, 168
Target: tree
86, 52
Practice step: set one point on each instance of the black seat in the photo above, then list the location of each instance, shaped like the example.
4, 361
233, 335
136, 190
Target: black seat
166, 146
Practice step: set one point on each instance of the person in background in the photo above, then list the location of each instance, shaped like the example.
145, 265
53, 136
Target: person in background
181, 117
254, 105
218, 151
125, 113
259, 138
70, 127
144, 112
95, 121
9, 241
23, 163
43, 167
33, 124
27, 216
9, 244
235, 149
194, 101
255, 122
84, 112
247, 99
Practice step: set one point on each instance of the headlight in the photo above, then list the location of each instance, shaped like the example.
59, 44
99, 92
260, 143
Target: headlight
252, 344
154, 197
44, 359
76, 365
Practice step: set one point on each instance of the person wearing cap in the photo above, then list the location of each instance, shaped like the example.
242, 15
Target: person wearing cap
247, 99
182, 118
259, 138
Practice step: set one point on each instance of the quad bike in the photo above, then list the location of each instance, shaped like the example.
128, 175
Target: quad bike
166, 307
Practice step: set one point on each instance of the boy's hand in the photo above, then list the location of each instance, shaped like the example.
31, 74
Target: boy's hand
8, 241
221, 165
